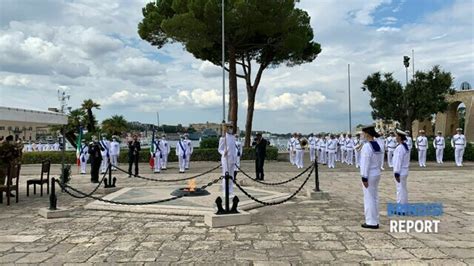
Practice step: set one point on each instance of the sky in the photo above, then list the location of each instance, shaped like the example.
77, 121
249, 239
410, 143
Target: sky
91, 49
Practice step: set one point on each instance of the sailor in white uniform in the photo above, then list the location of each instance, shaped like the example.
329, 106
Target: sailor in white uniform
370, 161
240, 150
324, 143
381, 138
299, 152
312, 147
105, 152
157, 154
409, 140
318, 147
114, 152
166, 150
439, 145
458, 142
291, 149
83, 156
181, 153
401, 163
421, 145
189, 147
357, 148
228, 154
342, 146
390, 145
331, 148
349, 144
56, 146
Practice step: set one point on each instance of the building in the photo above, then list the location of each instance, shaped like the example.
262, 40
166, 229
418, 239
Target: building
28, 124
200, 127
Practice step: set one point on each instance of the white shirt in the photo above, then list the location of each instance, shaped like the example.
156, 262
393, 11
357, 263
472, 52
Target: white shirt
438, 142
312, 142
332, 145
105, 144
84, 151
421, 143
458, 141
297, 144
349, 144
239, 148
370, 160
401, 160
391, 143
227, 144
189, 146
181, 148
114, 148
166, 146
409, 142
292, 144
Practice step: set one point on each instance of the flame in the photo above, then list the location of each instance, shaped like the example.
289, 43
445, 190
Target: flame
192, 185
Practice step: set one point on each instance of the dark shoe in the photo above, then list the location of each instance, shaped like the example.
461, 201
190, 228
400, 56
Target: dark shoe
364, 225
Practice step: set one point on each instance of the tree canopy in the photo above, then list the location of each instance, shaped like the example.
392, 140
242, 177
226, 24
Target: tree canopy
421, 98
91, 122
116, 125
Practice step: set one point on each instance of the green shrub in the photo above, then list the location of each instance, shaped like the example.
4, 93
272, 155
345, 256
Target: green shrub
209, 143
199, 154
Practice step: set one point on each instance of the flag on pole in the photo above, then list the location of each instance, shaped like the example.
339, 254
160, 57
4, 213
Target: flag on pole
152, 150
78, 146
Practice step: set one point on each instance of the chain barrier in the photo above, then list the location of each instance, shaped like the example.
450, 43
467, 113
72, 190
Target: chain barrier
170, 180
96, 188
274, 183
65, 188
277, 202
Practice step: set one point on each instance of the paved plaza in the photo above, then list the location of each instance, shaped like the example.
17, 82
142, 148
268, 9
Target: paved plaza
301, 231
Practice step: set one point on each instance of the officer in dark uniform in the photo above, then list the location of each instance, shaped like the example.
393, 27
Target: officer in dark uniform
133, 155
95, 158
260, 145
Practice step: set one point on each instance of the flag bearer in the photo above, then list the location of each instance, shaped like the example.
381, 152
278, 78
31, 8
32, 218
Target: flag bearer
228, 154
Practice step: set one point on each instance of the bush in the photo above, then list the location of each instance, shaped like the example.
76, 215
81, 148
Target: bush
209, 143
199, 154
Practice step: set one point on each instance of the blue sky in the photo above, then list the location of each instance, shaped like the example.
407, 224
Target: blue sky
91, 48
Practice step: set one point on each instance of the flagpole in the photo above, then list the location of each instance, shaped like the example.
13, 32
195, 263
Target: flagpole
223, 64
349, 88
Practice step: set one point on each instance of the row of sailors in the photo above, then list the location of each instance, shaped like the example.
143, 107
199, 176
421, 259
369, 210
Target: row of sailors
159, 153
346, 149
33, 147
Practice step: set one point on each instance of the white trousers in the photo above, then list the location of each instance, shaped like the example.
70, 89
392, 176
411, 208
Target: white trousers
357, 158
331, 159
439, 155
312, 154
402, 192
390, 158
114, 160
371, 201
350, 156
422, 157
228, 165
104, 164
157, 162
343, 156
188, 159
323, 157
383, 160
83, 163
292, 157
237, 162
182, 163
458, 154
164, 160
299, 158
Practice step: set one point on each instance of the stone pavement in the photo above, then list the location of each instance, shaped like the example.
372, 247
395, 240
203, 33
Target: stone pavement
300, 232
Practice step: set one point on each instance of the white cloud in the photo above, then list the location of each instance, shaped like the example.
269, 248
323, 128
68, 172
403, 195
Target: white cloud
288, 101
14, 81
197, 98
388, 29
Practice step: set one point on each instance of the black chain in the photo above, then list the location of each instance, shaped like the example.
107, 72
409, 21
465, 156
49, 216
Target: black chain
277, 202
97, 187
171, 180
274, 183
65, 188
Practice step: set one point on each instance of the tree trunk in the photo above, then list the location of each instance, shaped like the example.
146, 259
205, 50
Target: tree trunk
250, 108
233, 96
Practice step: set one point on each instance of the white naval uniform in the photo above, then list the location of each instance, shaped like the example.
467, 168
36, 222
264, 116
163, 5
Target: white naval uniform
323, 146
312, 148
181, 152
299, 154
390, 144
114, 153
318, 149
189, 147
331, 148
357, 148
439, 144
157, 155
228, 154
381, 141
166, 150
83, 157
240, 151
370, 160
421, 145
349, 144
105, 144
56, 146
401, 163
29, 147
458, 142
291, 149
342, 147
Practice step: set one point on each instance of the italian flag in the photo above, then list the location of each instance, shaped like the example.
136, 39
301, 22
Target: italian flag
78, 146
152, 150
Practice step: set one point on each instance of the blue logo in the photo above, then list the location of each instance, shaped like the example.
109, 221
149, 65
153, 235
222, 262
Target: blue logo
415, 209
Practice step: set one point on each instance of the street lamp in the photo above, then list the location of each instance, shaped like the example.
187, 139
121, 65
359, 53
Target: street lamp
406, 62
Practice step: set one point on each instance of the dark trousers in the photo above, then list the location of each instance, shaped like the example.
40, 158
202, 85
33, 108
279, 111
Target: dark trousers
95, 165
132, 160
259, 161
